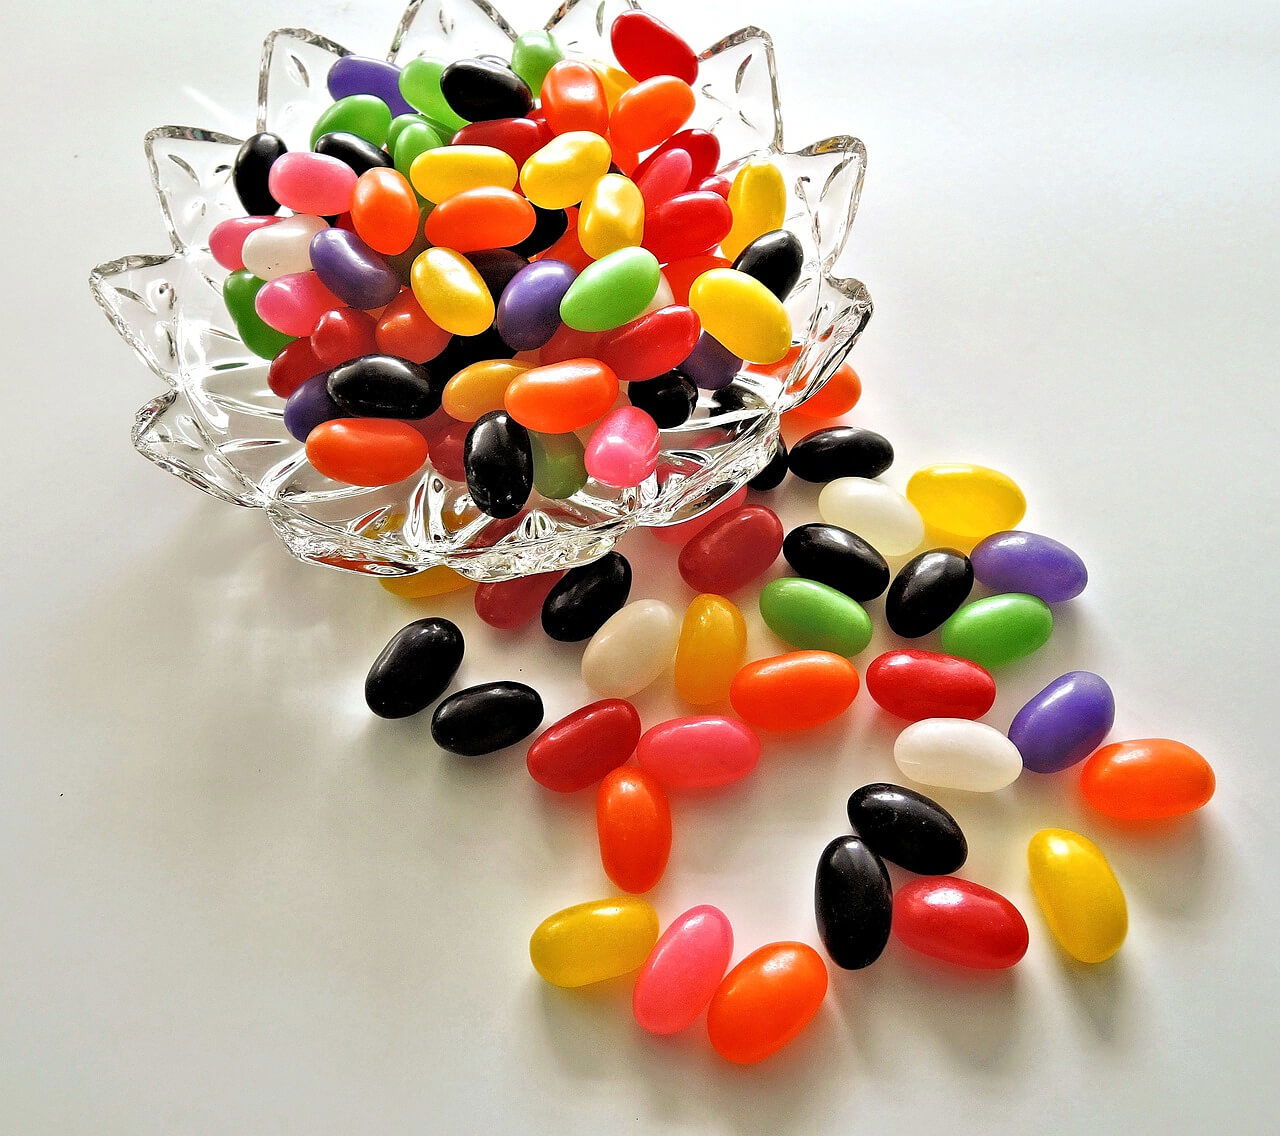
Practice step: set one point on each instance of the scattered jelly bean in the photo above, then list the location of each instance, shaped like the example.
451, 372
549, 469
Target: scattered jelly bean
366, 451
1064, 723
836, 397
1148, 779
1078, 893
813, 617
486, 718
908, 829
510, 604
664, 178
592, 942
611, 217
687, 225
623, 449
293, 304
650, 112
775, 259
698, 753
240, 294
578, 606
956, 753
774, 472
251, 171
968, 502
742, 314
838, 558
562, 396
420, 87
758, 200
412, 142
732, 551
559, 466
582, 747
681, 974
498, 464
227, 239
437, 581
853, 903
669, 399
483, 218
921, 684
927, 591
998, 630
404, 329
884, 519
840, 451
631, 650
481, 89
292, 367
573, 98
529, 312
614, 290
796, 691
549, 226
361, 75
711, 649
710, 365
479, 387
633, 825
282, 249
451, 292
765, 1002
533, 54
312, 183
383, 386
351, 270
645, 47
1025, 562
365, 116
384, 211
959, 922
562, 171
414, 668
309, 405
352, 150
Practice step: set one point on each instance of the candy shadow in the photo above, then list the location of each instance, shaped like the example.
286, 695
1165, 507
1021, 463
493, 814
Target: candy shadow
1103, 993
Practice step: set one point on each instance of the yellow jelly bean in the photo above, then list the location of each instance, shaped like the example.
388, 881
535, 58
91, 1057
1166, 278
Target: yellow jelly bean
613, 79
451, 291
433, 582
440, 173
742, 314
561, 173
478, 388
1078, 893
712, 649
594, 941
966, 502
758, 202
391, 523
612, 216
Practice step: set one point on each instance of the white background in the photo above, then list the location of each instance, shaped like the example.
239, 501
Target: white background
233, 902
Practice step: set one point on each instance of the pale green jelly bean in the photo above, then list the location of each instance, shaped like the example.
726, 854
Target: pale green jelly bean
558, 467
365, 116
533, 55
402, 121
611, 291
239, 291
420, 86
416, 138
813, 617
999, 629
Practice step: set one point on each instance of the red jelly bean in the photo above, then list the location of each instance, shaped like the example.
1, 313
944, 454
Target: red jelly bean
366, 451
649, 113
650, 346
667, 176
294, 303
342, 334
293, 367
404, 329
702, 146
732, 551
700, 752
645, 47
633, 824
513, 603
959, 922
796, 691
483, 218
687, 530
922, 684
569, 343
687, 225
720, 186
573, 98
681, 274
519, 137
447, 447
583, 746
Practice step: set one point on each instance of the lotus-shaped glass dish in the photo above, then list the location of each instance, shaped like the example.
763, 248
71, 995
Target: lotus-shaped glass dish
219, 427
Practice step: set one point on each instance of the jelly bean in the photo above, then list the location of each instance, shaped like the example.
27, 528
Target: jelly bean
451, 292
481, 89
510, 604
293, 304
921, 684
633, 647
633, 825
360, 75
384, 211
669, 399
1064, 723
775, 470
562, 396
498, 464
437, 581
533, 54
310, 405
853, 903
402, 122
814, 617
663, 297
1026, 562
480, 219
443, 173
402, 263
698, 753
927, 591
292, 367
282, 249
573, 98
404, 329
623, 449
582, 747
342, 335
250, 173
687, 225
968, 502
383, 386
611, 292
227, 239
1148, 779
484, 719
884, 519
578, 606
742, 314
710, 365
566, 343
612, 216
650, 112
312, 183
562, 171
614, 79
366, 451
414, 668
720, 186
796, 691
416, 139
837, 558
703, 149
365, 116
549, 226
559, 467
681, 274
420, 87
667, 176
840, 451
711, 649
955, 753
567, 249
908, 829
732, 551
448, 455
354, 151
837, 396
959, 922
765, 1002
684, 531
758, 200
775, 259
681, 975
351, 270
497, 267
478, 388
240, 293
519, 138
646, 47
592, 942
1078, 893
998, 630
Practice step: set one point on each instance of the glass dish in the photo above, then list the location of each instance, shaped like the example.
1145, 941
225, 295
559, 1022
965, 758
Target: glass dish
218, 426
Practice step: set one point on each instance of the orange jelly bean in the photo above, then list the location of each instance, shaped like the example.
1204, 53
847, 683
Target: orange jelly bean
563, 396
796, 691
483, 218
838, 396
573, 98
765, 1002
404, 329
384, 211
633, 822
366, 451
479, 388
1148, 779
649, 113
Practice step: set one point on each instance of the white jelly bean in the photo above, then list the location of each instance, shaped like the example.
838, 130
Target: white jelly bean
633, 648
955, 753
282, 249
664, 297
883, 518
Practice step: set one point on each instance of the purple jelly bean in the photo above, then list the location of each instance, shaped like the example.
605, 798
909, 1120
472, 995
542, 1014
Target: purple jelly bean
310, 405
360, 75
1025, 562
497, 267
351, 270
1064, 723
710, 365
529, 311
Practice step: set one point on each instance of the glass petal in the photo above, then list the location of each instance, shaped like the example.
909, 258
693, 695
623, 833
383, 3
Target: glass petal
451, 29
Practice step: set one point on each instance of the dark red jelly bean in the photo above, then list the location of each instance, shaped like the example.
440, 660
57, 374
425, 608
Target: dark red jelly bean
292, 367
583, 746
414, 668
343, 334
959, 922
703, 149
519, 137
732, 551
923, 684
510, 604
651, 345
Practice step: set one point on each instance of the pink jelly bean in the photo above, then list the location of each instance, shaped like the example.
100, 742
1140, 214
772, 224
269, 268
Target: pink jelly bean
623, 449
293, 304
226, 240
312, 183
668, 174
683, 970
678, 534
698, 753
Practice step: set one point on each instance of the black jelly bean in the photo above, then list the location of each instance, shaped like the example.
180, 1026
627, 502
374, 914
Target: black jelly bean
483, 89
840, 451
354, 151
908, 829
838, 558
463, 350
414, 668
927, 591
497, 459
669, 399
772, 475
549, 225
486, 718
249, 174
853, 903
775, 259
496, 268
384, 386
576, 608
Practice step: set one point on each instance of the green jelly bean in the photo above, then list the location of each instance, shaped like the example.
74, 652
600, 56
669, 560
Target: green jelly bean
239, 290
533, 55
416, 138
365, 116
611, 291
999, 629
420, 86
402, 121
813, 617
558, 467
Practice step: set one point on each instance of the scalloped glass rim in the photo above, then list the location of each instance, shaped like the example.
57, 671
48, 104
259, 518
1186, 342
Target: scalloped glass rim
219, 429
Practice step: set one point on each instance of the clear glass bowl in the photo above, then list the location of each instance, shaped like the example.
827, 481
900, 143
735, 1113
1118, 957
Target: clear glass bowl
219, 427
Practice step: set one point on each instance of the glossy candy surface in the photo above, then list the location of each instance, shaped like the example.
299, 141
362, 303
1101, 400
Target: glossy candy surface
651, 345
710, 365
578, 606
837, 396
293, 304
282, 248
884, 519
533, 54
510, 604
837, 558
623, 449
1147, 779
645, 47
1078, 893
309, 405
354, 151
592, 942
927, 591
366, 451
240, 294
966, 501
498, 463
562, 396
766, 1001
383, 386
342, 335
1024, 562
312, 183
437, 581
668, 399
998, 630
420, 87
796, 691
633, 647
633, 826
959, 922
813, 616
840, 451
1064, 723
404, 329
711, 649
486, 718
479, 388
922, 684
956, 753
227, 239
853, 903
529, 310
484, 218
361, 75
559, 470
292, 367
365, 116
698, 752
649, 113
250, 174
519, 138
908, 829
611, 291
443, 173
414, 668
560, 173
684, 531
351, 270
687, 225
452, 292
773, 474
732, 550
758, 200
579, 749
776, 260
681, 974
742, 314
573, 98
481, 89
